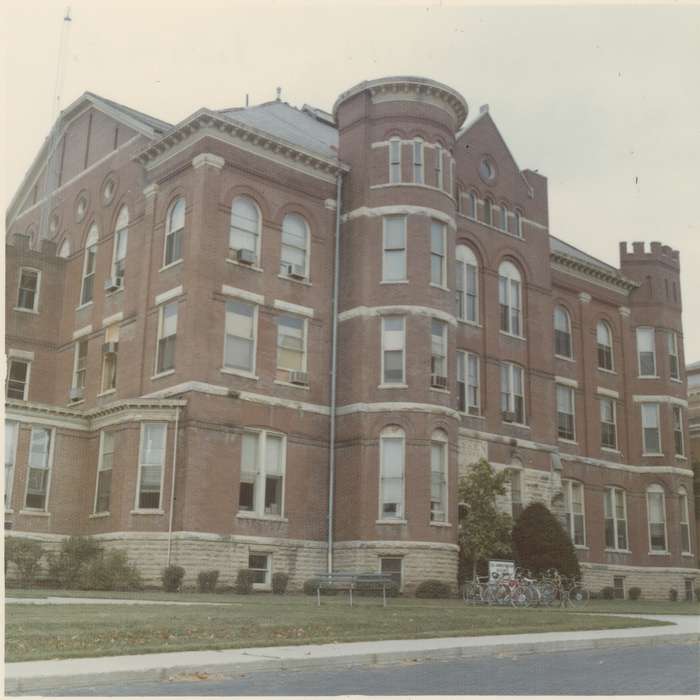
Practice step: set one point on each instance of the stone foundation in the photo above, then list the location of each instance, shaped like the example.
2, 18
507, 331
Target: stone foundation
655, 583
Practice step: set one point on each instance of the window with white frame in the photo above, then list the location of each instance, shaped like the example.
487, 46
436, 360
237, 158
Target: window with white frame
151, 465
574, 514
656, 513
393, 567
263, 459
503, 218
294, 255
438, 358
604, 340
291, 344
518, 224
244, 232
650, 427
608, 423
395, 160
615, 513
418, 161
673, 361
471, 205
17, 379
393, 347
467, 285
438, 167
240, 336
684, 519
678, 431
80, 364
488, 211
450, 185
121, 233
438, 477
28, 293
109, 358
510, 298
515, 477
646, 352
437, 253
566, 423
88, 283
174, 232
260, 565
64, 250
394, 255
469, 399
562, 332
167, 336
103, 487
39, 470
11, 431
512, 393
391, 473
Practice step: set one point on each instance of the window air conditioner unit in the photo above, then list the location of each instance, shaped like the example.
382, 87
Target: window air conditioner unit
438, 381
298, 377
76, 393
508, 416
112, 284
245, 256
110, 348
297, 272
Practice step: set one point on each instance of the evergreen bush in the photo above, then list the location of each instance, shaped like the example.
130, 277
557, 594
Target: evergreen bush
244, 581
279, 583
634, 593
206, 581
608, 593
171, 577
67, 569
673, 595
432, 588
26, 556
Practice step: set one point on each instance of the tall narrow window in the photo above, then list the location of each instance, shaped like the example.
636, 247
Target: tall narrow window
438, 358
673, 361
650, 426
103, 487
438, 477
488, 212
88, 285
469, 398
471, 205
615, 519
418, 161
437, 253
174, 232
28, 294
574, 515
167, 335
151, 464
562, 332
608, 424
392, 567
516, 489
291, 345
438, 167
684, 520
391, 471
294, 256
394, 258
510, 298
121, 232
395, 160
565, 412
656, 511
263, 457
503, 218
512, 393
467, 285
11, 428
646, 352
678, 431
605, 346
109, 358
244, 232
80, 366
518, 224
17, 379
260, 566
39, 469
393, 344
239, 344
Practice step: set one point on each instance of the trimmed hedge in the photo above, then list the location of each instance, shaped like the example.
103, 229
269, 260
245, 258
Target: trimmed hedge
608, 593
26, 556
279, 583
634, 593
432, 588
206, 581
673, 595
111, 572
244, 581
171, 577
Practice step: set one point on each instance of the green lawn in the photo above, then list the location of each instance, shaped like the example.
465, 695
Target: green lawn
60, 631
652, 607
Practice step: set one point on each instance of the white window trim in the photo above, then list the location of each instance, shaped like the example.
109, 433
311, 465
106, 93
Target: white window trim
569, 498
608, 327
243, 372
112, 267
390, 556
439, 167
392, 432
157, 510
404, 279
305, 357
307, 249
613, 400
35, 308
395, 140
97, 477
655, 488
639, 352
680, 455
261, 475
465, 255
676, 354
170, 232
10, 360
507, 275
445, 346
10, 489
645, 452
94, 245
443, 271
382, 381
572, 392
683, 496
511, 366
52, 442
615, 490
161, 312
258, 236
267, 585
569, 332
444, 441
418, 168
76, 355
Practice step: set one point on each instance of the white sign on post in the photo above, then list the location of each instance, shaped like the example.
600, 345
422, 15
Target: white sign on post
499, 568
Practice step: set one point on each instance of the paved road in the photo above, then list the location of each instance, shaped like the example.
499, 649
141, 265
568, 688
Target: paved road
672, 669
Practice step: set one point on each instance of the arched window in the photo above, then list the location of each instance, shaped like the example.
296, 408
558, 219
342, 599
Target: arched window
684, 519
488, 212
471, 204
503, 220
510, 298
294, 255
88, 285
174, 231
395, 159
244, 233
467, 285
562, 332
438, 477
121, 232
518, 224
656, 514
604, 339
64, 250
392, 452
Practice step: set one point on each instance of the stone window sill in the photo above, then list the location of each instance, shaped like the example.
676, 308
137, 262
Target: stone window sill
440, 524
512, 335
255, 268
160, 375
239, 373
517, 425
568, 442
114, 293
247, 515
652, 454
607, 371
440, 286
582, 547
611, 550
305, 282
393, 521
305, 387
566, 359
107, 393
171, 265
394, 282
466, 414
25, 311
611, 450
83, 306
464, 322
687, 554
648, 376
95, 516
392, 386
660, 554
155, 511
40, 513
439, 390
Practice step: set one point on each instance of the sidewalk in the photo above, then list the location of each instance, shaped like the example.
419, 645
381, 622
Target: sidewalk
34, 676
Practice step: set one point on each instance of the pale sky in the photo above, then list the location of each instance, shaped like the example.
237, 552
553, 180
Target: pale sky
602, 100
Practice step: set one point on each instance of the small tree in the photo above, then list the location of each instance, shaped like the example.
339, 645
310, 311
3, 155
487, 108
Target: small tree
540, 543
484, 531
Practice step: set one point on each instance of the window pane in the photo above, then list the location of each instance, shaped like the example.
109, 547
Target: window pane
153, 443
39, 448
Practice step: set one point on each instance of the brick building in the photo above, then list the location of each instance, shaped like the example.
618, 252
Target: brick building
173, 347
693, 375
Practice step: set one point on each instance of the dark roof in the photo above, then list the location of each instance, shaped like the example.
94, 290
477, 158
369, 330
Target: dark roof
153, 122
556, 245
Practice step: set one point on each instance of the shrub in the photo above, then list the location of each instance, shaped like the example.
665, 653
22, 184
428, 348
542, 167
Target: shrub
432, 588
540, 543
172, 576
206, 581
26, 555
375, 589
225, 589
634, 593
673, 595
67, 570
244, 581
279, 583
111, 572
608, 593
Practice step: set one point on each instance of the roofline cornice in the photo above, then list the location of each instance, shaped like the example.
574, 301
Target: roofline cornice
597, 274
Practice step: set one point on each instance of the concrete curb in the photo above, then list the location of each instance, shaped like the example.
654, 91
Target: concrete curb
247, 661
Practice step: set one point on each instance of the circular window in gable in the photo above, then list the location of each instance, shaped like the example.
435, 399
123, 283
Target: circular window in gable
487, 169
